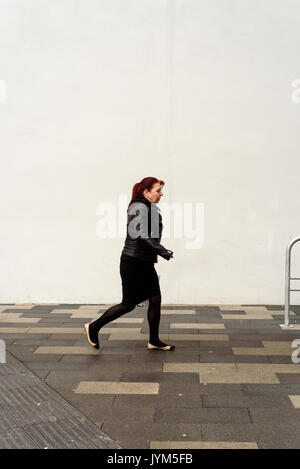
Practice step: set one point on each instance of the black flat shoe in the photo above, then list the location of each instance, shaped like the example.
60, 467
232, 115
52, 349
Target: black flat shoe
154, 347
93, 344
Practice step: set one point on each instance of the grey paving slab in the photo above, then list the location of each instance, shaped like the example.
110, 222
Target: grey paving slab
288, 378
56, 321
204, 415
251, 338
219, 357
17, 336
55, 366
34, 341
137, 401
271, 389
160, 377
220, 389
279, 359
267, 436
285, 416
89, 404
128, 433
247, 401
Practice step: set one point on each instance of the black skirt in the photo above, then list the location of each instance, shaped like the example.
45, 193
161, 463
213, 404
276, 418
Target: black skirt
139, 280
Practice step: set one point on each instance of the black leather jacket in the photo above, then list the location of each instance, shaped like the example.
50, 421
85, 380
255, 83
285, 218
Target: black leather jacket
144, 230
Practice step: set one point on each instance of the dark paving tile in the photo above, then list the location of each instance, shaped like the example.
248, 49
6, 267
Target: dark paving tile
240, 325
88, 359
179, 395
158, 377
137, 400
220, 389
267, 436
200, 319
45, 341
220, 358
17, 336
182, 400
280, 359
207, 309
110, 344
218, 354
271, 389
116, 325
225, 346
234, 312
288, 378
173, 388
41, 308
44, 322
183, 357
278, 316
171, 330
247, 401
268, 330
71, 338
78, 323
259, 323
245, 343
276, 337
285, 416
196, 415
179, 318
162, 357
54, 366
251, 338
60, 306
108, 414
153, 431
245, 305
142, 354
231, 332
100, 358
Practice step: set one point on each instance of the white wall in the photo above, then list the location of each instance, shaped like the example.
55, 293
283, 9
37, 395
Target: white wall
101, 93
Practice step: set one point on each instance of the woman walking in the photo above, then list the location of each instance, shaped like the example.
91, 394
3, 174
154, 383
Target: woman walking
138, 274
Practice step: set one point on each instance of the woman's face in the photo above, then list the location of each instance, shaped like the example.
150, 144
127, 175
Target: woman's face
154, 194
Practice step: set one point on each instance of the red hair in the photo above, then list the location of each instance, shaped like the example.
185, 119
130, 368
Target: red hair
146, 183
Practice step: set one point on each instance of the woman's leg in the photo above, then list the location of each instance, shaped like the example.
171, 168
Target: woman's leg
110, 314
153, 316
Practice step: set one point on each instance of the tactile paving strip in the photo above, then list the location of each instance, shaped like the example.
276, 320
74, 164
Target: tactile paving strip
33, 416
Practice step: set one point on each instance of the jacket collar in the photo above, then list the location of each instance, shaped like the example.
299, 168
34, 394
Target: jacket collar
142, 199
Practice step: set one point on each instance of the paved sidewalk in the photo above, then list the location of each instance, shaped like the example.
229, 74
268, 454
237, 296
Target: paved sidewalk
229, 383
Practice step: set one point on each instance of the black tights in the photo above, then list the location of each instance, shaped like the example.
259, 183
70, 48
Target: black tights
114, 312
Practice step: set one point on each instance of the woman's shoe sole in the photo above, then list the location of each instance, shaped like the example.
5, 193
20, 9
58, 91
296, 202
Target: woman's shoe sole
167, 347
86, 326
